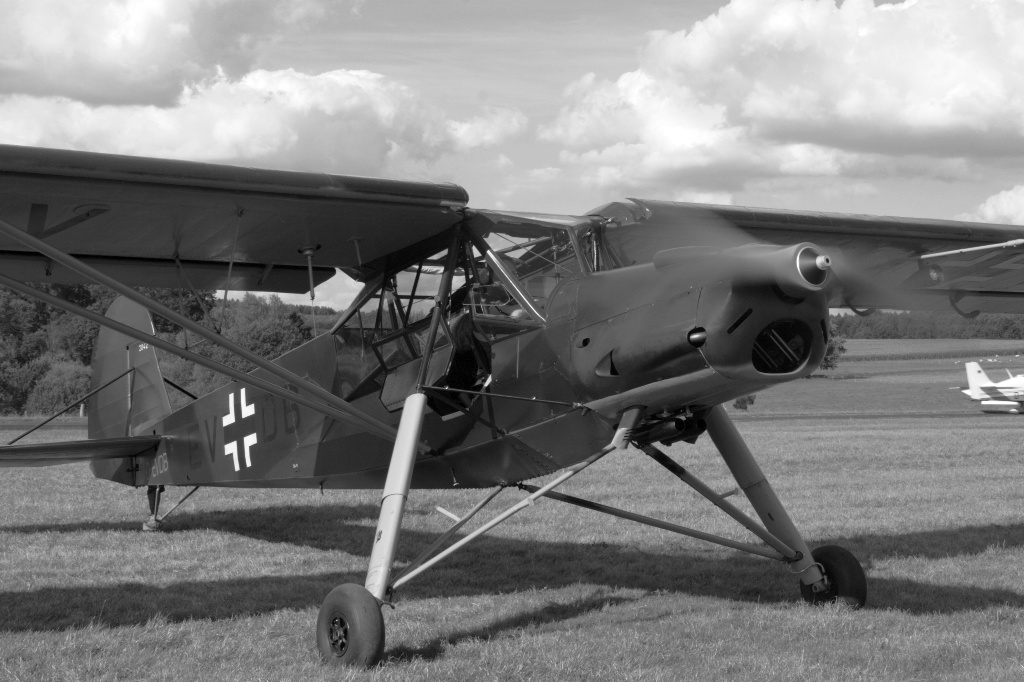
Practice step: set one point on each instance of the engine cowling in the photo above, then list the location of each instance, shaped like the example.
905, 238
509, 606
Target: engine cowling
768, 317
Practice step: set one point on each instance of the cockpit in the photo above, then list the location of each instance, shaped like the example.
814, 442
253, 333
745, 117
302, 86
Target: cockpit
507, 274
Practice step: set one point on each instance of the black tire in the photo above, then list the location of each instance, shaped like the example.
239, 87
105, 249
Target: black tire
350, 628
846, 579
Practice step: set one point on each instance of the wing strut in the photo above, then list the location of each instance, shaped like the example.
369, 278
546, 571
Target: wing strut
353, 415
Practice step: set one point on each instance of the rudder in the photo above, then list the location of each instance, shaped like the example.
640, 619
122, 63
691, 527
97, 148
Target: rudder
976, 378
132, 402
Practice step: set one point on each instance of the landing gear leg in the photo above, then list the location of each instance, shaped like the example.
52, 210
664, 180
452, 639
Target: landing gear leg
153, 493
350, 628
828, 573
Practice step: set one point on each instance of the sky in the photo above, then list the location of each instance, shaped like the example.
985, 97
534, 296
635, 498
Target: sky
913, 108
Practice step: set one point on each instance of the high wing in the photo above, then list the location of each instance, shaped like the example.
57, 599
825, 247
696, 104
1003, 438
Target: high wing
46, 454
881, 262
165, 223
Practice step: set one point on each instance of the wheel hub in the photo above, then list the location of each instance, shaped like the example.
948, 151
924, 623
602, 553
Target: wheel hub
338, 635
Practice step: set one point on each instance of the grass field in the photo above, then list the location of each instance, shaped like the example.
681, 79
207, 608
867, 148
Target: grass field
930, 498
916, 349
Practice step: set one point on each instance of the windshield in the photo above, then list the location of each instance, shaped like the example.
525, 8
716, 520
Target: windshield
540, 257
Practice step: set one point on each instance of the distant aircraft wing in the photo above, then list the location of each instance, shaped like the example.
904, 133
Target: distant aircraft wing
66, 452
884, 262
164, 223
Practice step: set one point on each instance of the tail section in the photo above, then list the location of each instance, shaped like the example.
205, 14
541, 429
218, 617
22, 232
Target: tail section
136, 396
976, 380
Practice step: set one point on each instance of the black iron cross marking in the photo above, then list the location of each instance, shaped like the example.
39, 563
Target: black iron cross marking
235, 428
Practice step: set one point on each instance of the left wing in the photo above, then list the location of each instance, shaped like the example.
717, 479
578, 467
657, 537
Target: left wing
879, 261
164, 223
66, 452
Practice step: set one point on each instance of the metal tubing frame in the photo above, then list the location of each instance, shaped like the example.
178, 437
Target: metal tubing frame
432, 392
365, 294
619, 442
508, 513
755, 486
448, 533
403, 455
657, 523
786, 552
354, 416
508, 279
488, 394
156, 341
178, 504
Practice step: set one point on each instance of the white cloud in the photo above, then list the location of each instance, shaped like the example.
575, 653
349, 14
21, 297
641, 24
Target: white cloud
337, 293
804, 88
120, 51
488, 129
1006, 207
351, 122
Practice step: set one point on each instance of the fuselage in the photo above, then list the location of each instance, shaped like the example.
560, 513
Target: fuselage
563, 325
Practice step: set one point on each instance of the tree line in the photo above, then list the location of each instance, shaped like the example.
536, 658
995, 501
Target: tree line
929, 325
45, 353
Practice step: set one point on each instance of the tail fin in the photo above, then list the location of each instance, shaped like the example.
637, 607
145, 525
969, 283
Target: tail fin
133, 402
976, 379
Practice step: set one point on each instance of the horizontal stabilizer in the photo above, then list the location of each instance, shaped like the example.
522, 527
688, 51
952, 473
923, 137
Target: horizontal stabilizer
66, 452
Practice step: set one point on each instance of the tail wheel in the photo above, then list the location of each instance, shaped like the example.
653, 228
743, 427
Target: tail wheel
845, 577
350, 628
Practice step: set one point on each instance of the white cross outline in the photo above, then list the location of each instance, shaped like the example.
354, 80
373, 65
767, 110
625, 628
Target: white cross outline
249, 440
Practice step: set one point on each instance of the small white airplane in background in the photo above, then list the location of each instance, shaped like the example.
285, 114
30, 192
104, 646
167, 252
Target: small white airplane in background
1009, 392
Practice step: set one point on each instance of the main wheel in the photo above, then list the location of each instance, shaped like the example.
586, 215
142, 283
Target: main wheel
846, 579
350, 627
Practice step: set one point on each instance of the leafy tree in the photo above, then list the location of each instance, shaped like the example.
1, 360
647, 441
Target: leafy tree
62, 384
834, 350
264, 325
34, 335
17, 381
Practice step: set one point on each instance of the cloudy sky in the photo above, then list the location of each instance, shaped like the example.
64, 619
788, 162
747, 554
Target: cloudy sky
912, 108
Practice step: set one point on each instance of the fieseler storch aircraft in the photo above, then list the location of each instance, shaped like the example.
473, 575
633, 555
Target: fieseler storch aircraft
1006, 393
485, 349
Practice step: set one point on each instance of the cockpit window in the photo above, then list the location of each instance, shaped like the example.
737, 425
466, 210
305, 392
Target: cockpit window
390, 328
595, 249
540, 257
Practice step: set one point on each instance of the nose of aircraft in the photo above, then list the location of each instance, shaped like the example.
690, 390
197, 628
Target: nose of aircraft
766, 316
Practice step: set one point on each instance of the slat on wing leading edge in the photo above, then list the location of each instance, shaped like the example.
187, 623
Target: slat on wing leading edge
153, 210
883, 250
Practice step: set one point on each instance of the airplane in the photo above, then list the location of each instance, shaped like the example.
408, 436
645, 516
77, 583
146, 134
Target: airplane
485, 349
1008, 392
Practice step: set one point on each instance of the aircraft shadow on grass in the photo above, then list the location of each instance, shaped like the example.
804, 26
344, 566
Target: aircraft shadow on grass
490, 565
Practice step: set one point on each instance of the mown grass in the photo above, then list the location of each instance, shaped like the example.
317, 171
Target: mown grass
933, 507
858, 350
